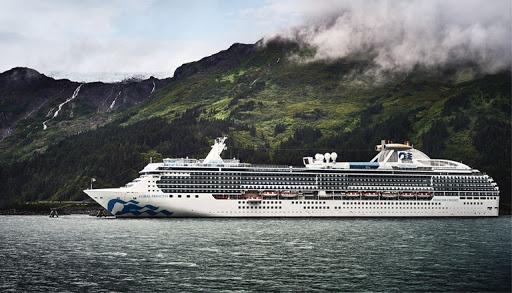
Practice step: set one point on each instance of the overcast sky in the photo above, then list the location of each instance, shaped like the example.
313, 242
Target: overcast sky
86, 39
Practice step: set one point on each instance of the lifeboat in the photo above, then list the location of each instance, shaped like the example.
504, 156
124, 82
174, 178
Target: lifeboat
254, 200
288, 194
424, 195
352, 194
408, 195
269, 193
389, 195
371, 194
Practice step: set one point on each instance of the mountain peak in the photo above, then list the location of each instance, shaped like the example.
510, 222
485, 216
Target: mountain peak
21, 75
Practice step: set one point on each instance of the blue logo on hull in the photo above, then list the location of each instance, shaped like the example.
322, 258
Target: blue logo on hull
132, 207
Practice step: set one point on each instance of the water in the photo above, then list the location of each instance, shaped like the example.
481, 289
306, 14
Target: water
81, 253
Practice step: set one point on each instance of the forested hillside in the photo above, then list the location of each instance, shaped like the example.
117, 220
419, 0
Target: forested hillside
276, 106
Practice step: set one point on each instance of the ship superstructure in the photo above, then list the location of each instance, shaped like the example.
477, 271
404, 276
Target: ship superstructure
400, 181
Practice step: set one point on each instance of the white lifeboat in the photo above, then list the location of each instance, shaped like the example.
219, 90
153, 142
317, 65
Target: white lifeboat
424, 195
288, 194
269, 193
408, 195
371, 194
254, 200
389, 195
352, 194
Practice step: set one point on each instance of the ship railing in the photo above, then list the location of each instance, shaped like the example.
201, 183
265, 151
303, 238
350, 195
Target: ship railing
443, 164
266, 166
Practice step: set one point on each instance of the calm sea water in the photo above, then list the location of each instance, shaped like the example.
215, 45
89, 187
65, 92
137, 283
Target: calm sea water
82, 253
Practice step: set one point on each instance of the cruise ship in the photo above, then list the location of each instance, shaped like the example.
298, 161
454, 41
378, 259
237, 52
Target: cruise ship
400, 181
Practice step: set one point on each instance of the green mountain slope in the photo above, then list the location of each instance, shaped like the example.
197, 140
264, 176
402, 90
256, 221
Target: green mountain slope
276, 108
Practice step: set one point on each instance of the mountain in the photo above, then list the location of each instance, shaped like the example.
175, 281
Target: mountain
274, 102
29, 104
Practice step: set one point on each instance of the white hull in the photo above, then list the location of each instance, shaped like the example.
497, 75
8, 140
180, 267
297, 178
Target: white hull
117, 201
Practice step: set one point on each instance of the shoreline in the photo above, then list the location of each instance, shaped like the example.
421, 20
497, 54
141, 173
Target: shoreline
45, 207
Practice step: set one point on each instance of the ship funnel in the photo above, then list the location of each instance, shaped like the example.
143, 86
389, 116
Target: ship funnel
327, 157
213, 156
334, 156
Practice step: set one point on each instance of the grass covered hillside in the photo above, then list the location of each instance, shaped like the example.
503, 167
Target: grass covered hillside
276, 106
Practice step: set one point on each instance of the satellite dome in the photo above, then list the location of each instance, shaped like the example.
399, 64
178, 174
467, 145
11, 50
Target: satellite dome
318, 157
327, 157
334, 156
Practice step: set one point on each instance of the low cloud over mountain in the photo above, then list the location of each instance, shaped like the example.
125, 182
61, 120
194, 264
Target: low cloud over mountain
403, 34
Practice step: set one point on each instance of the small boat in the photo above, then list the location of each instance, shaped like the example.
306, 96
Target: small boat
352, 194
371, 194
269, 193
389, 195
288, 194
424, 195
407, 195
254, 200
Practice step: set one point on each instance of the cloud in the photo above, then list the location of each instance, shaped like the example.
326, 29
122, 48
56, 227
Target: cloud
84, 40
403, 34
81, 39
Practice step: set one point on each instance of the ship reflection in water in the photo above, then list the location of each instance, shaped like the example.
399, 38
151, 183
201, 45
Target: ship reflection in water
81, 253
